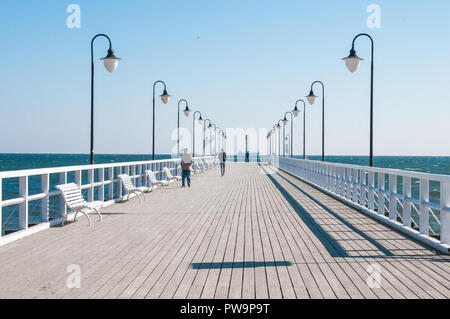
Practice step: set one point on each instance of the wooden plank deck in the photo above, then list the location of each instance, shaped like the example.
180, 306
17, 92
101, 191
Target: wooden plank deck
255, 233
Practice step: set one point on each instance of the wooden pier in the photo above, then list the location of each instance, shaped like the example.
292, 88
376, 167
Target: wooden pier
255, 233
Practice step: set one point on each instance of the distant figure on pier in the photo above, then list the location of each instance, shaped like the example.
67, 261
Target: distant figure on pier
186, 163
222, 159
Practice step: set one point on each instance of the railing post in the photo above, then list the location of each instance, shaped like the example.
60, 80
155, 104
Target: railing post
78, 178
329, 176
445, 212
91, 185
354, 197
370, 194
381, 193
133, 173
424, 199
45, 185
406, 202
141, 175
1, 205
62, 203
342, 181
111, 185
392, 197
23, 208
120, 184
348, 181
101, 191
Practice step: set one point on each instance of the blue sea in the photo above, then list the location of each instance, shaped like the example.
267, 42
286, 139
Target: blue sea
424, 164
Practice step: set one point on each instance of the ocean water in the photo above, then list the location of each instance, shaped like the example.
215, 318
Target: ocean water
10, 189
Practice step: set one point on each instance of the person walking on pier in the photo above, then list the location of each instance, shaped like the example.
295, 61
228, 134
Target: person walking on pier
222, 159
186, 163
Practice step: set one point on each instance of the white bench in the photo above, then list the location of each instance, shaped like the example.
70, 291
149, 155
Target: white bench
170, 177
131, 189
75, 201
155, 182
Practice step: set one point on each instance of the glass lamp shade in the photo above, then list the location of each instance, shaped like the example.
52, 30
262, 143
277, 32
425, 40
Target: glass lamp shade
187, 111
278, 126
311, 98
210, 127
295, 112
285, 121
352, 61
200, 121
165, 97
110, 61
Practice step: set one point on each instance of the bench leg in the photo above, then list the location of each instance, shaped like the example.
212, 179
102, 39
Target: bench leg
85, 214
99, 215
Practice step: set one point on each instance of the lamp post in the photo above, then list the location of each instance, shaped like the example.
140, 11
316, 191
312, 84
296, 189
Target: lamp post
352, 63
164, 98
311, 98
186, 112
274, 131
279, 137
220, 136
225, 141
295, 111
200, 121
215, 138
285, 123
110, 61
204, 134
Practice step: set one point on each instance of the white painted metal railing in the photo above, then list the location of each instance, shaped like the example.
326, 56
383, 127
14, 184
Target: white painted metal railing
402, 199
98, 182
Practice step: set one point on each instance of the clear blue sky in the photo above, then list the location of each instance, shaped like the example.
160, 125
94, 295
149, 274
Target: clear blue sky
242, 63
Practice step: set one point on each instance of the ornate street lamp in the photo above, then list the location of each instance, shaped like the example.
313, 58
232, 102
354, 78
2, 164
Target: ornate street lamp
110, 62
200, 121
186, 112
164, 98
352, 63
311, 99
295, 111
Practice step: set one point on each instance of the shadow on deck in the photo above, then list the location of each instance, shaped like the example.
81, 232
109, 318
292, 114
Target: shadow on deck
332, 245
245, 264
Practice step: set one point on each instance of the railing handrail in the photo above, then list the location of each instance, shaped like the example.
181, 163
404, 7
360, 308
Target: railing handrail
61, 169
394, 171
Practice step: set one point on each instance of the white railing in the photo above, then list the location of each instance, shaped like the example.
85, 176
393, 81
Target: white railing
98, 182
402, 199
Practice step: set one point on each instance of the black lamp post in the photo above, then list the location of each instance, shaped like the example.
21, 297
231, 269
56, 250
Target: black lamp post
110, 61
215, 138
164, 98
311, 98
224, 140
186, 111
352, 63
274, 133
295, 111
220, 136
200, 121
204, 135
279, 137
284, 124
